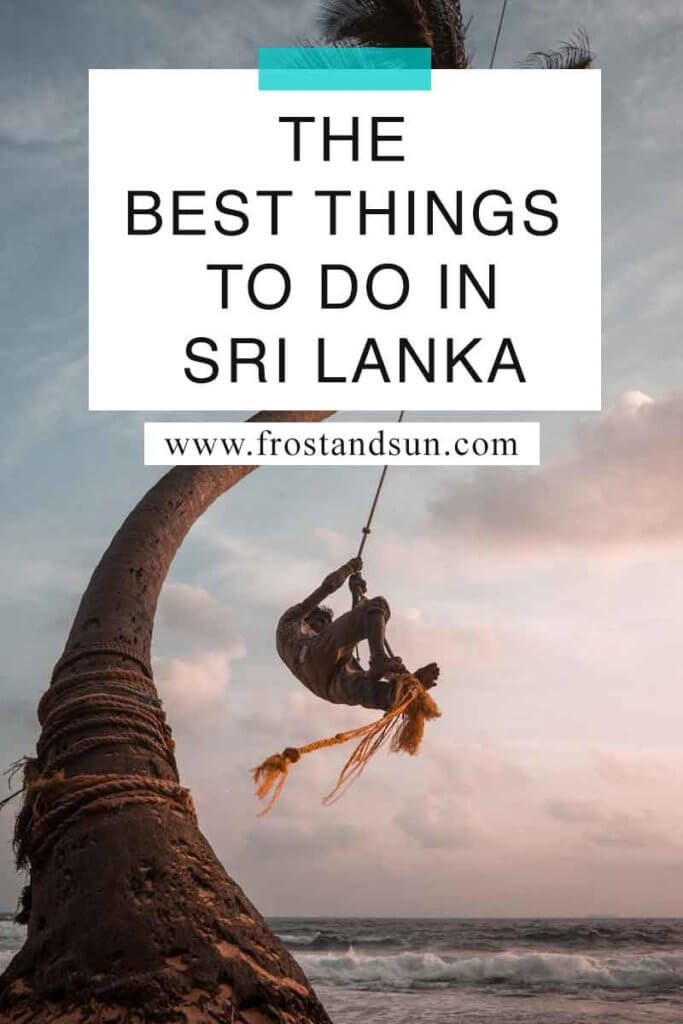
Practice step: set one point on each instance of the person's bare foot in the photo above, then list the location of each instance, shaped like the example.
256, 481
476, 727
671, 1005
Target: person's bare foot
382, 666
428, 675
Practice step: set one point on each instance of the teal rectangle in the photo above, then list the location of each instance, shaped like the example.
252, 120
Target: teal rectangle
344, 80
345, 68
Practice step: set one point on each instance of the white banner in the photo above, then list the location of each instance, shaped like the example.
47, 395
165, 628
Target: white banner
331, 444
435, 250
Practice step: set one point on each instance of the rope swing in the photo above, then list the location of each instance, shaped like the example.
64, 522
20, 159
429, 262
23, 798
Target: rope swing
401, 727
499, 30
366, 531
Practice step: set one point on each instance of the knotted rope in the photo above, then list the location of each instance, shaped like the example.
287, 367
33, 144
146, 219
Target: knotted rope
122, 650
402, 727
79, 713
122, 709
54, 803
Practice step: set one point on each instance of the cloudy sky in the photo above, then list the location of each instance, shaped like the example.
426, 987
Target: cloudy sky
551, 597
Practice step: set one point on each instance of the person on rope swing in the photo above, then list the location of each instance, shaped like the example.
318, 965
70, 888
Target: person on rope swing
318, 649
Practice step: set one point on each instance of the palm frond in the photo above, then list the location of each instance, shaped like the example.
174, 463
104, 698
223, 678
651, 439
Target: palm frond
573, 54
436, 24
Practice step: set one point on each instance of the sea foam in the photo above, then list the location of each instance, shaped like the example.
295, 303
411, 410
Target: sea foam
537, 970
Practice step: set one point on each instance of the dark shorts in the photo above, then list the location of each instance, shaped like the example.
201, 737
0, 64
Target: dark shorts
329, 669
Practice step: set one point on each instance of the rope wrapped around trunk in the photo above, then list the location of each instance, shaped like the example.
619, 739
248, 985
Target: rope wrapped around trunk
402, 727
54, 803
101, 708
79, 713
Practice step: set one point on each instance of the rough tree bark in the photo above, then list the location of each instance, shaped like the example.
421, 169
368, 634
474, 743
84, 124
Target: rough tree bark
130, 915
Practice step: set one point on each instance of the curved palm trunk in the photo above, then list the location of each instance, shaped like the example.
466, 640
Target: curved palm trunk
130, 915
120, 600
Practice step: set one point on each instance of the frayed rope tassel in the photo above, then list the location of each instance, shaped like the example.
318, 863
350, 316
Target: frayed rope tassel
402, 727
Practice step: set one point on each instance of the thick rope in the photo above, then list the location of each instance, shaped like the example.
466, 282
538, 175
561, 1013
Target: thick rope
128, 712
118, 678
70, 715
97, 708
105, 647
131, 737
54, 803
402, 726
86, 711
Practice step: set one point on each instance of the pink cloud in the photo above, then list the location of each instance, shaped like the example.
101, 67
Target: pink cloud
195, 614
458, 645
581, 811
621, 484
438, 822
636, 769
193, 687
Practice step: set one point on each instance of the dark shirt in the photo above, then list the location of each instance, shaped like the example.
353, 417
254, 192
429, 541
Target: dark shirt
292, 638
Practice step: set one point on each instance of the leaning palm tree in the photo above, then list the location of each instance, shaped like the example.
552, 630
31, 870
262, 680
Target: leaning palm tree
131, 917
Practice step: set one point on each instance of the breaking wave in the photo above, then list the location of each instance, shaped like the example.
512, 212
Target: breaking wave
536, 971
297, 938
326, 940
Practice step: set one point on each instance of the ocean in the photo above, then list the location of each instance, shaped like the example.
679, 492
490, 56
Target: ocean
439, 971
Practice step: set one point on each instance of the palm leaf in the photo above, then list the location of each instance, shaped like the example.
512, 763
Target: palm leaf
573, 54
436, 24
